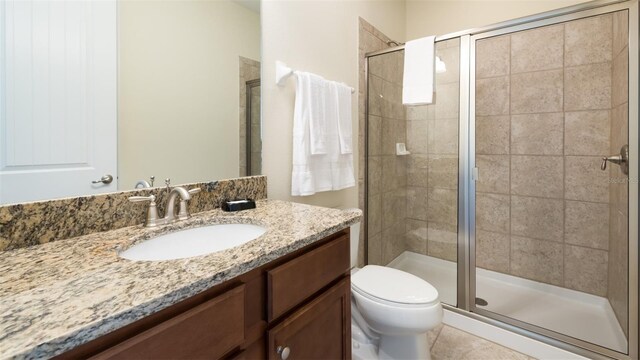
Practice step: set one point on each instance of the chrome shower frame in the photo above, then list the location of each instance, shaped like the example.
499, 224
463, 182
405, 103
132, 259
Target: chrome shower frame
250, 85
466, 265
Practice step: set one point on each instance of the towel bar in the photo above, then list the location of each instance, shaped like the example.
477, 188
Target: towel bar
283, 72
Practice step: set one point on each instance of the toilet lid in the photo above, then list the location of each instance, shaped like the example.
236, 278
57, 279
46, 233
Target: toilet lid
393, 285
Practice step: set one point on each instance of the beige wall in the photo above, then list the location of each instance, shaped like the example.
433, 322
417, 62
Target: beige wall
178, 88
438, 17
320, 37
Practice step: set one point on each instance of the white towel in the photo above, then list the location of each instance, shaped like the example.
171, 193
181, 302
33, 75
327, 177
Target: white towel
315, 94
343, 94
341, 152
301, 178
419, 64
313, 173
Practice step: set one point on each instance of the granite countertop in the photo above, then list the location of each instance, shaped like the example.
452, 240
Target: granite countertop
56, 296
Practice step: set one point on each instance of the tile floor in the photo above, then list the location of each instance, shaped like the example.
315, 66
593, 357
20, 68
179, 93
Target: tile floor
448, 343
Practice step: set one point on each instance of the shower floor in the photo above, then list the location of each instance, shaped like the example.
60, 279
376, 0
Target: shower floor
573, 313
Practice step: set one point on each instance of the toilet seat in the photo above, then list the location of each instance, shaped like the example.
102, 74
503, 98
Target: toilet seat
393, 287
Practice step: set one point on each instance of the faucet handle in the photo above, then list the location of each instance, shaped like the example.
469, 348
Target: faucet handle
151, 198
152, 211
195, 190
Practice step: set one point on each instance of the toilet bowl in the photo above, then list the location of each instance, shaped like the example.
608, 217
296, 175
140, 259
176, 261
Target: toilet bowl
391, 312
397, 309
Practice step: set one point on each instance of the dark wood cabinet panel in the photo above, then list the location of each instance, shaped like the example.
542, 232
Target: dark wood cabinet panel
295, 281
255, 351
319, 330
207, 331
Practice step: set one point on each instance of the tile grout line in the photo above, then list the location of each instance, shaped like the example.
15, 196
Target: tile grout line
545, 240
437, 336
541, 197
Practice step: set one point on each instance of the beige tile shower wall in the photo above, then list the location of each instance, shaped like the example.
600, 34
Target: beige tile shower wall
387, 172
543, 120
432, 167
619, 187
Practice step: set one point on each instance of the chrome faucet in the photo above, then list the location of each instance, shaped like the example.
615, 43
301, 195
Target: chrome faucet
153, 218
170, 212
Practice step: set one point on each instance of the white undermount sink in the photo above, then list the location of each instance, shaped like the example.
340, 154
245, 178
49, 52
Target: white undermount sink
193, 242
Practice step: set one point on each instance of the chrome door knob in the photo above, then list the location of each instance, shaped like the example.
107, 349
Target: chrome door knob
284, 352
107, 179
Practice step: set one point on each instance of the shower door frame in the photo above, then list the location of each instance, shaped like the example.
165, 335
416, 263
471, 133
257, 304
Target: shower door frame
467, 175
250, 85
546, 335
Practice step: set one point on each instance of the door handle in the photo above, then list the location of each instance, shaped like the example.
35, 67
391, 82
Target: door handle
107, 179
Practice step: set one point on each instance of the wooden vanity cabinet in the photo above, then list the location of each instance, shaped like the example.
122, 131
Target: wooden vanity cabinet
299, 302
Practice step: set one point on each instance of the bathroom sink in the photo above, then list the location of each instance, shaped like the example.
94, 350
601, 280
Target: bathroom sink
193, 242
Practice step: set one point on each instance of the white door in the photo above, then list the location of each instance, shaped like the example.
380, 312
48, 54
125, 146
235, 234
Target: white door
58, 116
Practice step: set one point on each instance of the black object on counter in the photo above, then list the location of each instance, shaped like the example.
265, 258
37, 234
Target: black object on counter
238, 205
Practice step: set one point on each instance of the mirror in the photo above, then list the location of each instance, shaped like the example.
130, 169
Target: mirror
127, 89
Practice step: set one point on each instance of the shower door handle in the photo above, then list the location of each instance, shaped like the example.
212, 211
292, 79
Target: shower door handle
622, 160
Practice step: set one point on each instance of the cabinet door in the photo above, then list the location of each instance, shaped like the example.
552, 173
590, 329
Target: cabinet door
319, 330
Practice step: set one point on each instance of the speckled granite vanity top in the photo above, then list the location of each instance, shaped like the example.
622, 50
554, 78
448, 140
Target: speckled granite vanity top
59, 295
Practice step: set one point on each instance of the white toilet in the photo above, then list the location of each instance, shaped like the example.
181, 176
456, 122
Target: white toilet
391, 311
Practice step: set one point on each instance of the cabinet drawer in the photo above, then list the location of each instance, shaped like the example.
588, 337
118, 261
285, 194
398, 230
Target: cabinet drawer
207, 331
292, 282
320, 330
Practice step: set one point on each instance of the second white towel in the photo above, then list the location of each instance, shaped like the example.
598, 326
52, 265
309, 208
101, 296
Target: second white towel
343, 113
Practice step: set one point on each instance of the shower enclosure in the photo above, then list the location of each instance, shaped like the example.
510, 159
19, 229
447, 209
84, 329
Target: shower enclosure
503, 201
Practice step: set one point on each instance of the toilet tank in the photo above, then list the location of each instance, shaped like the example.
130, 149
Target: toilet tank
355, 240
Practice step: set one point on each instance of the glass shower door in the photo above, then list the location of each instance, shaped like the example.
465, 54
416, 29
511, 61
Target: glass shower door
551, 222
412, 197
